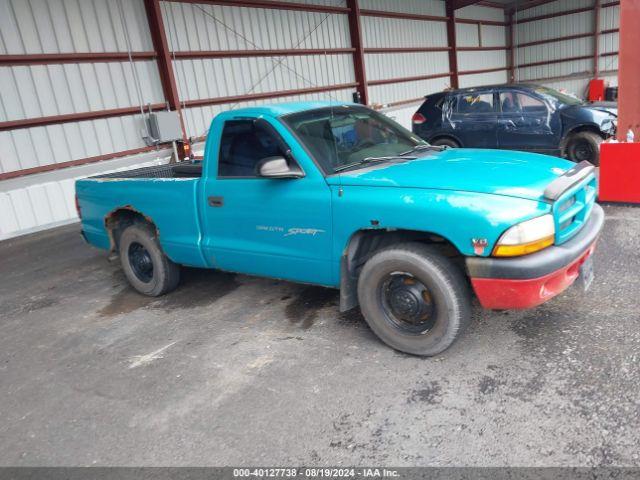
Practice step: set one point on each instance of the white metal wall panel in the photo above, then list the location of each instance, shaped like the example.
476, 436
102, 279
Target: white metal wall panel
382, 66
554, 27
385, 94
610, 18
467, 35
479, 79
475, 12
201, 27
32, 147
470, 35
212, 78
420, 7
63, 26
552, 7
493, 36
563, 26
561, 69
577, 47
57, 89
609, 63
380, 32
215, 27
475, 60
68, 26
609, 42
578, 86
47, 200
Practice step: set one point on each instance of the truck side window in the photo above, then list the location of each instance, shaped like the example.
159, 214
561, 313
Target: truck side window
242, 146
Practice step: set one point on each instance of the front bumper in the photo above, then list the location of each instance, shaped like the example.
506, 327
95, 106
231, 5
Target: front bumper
528, 281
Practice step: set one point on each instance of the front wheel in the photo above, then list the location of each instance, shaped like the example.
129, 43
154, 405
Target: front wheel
145, 265
584, 146
414, 299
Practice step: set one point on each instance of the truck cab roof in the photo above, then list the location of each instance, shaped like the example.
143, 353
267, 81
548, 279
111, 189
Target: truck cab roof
279, 109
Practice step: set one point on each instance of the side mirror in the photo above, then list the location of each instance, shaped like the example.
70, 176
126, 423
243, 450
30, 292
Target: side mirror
278, 167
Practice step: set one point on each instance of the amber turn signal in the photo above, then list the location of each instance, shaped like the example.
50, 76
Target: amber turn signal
524, 248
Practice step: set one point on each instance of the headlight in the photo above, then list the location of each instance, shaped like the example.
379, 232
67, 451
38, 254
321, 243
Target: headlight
526, 237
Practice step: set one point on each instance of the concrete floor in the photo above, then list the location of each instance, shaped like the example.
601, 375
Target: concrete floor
234, 370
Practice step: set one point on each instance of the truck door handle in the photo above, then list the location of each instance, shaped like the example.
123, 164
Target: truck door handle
215, 201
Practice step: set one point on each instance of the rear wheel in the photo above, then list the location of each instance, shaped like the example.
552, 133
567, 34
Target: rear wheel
145, 265
445, 142
584, 146
416, 300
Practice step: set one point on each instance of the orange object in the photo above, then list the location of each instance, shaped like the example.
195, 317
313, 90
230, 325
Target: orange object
596, 90
619, 172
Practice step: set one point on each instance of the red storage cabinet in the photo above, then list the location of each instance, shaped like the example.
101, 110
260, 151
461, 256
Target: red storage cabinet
596, 90
619, 172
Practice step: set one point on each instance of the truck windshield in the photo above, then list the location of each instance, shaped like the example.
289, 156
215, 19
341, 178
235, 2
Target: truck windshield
348, 135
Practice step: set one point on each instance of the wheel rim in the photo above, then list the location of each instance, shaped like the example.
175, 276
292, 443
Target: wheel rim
583, 151
140, 262
407, 304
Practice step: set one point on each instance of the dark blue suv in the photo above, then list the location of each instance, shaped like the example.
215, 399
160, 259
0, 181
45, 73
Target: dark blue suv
516, 117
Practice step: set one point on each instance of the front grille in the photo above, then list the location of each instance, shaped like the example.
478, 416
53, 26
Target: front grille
572, 209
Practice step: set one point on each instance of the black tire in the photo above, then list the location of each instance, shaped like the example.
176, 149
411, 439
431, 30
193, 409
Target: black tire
583, 146
145, 265
445, 142
449, 299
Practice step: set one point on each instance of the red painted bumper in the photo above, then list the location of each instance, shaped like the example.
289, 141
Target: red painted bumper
510, 294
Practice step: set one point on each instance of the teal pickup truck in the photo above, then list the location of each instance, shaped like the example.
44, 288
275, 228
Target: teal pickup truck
340, 195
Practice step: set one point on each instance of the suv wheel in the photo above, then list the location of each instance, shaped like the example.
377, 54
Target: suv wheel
584, 146
414, 299
445, 142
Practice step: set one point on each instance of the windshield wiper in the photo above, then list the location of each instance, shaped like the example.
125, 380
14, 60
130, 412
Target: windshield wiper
367, 160
423, 146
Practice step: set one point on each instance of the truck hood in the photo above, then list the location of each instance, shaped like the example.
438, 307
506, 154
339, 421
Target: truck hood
497, 172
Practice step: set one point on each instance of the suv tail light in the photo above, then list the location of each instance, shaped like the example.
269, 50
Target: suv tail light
418, 118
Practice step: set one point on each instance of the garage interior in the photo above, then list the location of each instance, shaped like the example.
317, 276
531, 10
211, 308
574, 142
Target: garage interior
237, 370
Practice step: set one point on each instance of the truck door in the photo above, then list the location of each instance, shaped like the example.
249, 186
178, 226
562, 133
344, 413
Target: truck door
526, 123
472, 118
275, 227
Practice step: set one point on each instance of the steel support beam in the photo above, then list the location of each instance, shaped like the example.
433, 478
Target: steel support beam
165, 67
451, 41
511, 34
355, 31
596, 38
62, 58
629, 69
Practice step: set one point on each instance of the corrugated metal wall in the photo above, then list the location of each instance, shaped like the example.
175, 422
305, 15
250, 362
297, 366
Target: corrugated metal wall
474, 35
197, 27
71, 26
378, 32
566, 25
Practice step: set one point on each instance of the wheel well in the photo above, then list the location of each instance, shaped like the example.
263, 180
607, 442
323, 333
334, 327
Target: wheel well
121, 218
365, 243
578, 129
448, 137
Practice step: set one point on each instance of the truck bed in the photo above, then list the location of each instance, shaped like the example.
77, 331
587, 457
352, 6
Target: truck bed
179, 170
